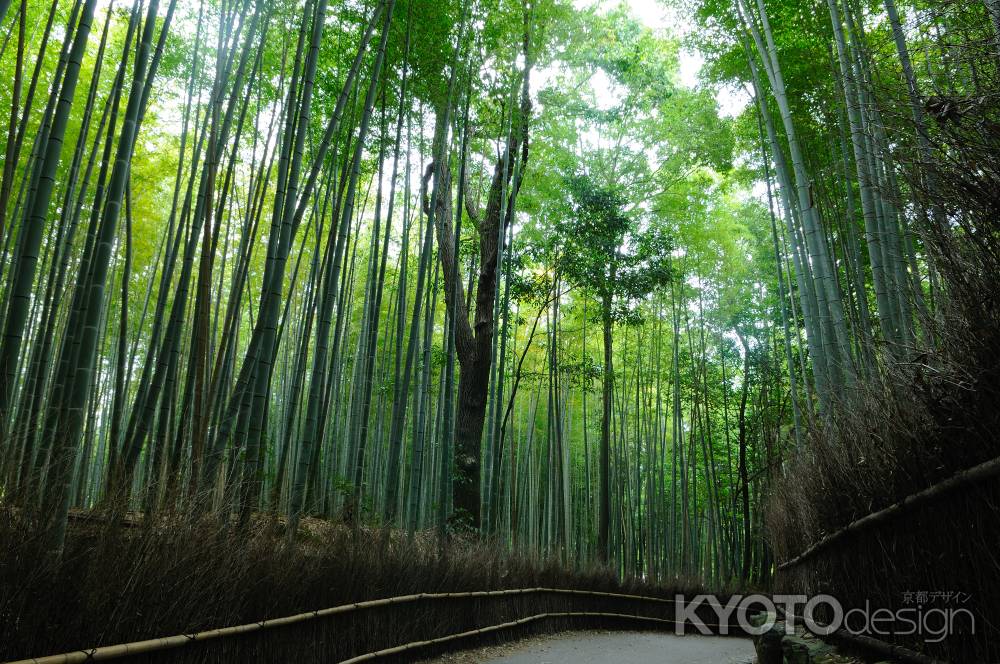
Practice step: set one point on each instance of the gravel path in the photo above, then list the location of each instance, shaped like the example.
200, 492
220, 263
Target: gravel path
601, 647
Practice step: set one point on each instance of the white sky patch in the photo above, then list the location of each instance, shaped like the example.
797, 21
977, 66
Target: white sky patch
731, 101
649, 12
606, 93
690, 65
660, 17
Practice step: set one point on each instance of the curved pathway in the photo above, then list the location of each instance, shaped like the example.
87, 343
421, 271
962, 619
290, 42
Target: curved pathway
603, 647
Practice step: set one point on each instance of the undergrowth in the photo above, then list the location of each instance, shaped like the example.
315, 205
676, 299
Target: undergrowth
928, 412
115, 584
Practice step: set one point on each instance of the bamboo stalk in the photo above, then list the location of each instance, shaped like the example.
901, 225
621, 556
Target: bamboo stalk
982, 472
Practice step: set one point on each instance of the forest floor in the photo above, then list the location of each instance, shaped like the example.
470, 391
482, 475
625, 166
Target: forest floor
600, 647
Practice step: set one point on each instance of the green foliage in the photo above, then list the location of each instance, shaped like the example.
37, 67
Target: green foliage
600, 247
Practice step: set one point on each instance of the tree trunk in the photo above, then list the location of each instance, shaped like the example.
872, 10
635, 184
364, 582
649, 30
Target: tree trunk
744, 478
604, 511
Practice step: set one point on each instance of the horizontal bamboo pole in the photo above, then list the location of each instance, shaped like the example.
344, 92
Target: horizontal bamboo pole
983, 471
874, 646
494, 628
168, 642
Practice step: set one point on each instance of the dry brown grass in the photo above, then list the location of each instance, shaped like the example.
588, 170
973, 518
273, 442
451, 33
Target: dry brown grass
117, 584
928, 414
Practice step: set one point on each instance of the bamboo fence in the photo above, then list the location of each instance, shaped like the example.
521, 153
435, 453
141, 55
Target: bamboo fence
181, 640
968, 477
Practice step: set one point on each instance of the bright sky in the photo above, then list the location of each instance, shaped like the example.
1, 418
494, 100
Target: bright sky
658, 16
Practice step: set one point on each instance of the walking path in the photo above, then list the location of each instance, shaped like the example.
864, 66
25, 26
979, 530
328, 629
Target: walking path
614, 648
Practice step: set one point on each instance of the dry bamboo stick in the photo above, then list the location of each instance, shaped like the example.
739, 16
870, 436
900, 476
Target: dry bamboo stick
167, 642
874, 646
983, 471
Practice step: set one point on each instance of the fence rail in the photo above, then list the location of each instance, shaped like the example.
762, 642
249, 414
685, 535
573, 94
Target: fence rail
984, 471
872, 646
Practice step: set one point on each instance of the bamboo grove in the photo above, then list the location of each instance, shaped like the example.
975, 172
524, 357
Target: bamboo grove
462, 266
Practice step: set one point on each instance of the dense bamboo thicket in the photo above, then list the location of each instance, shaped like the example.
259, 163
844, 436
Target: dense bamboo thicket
357, 262
886, 150
497, 268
